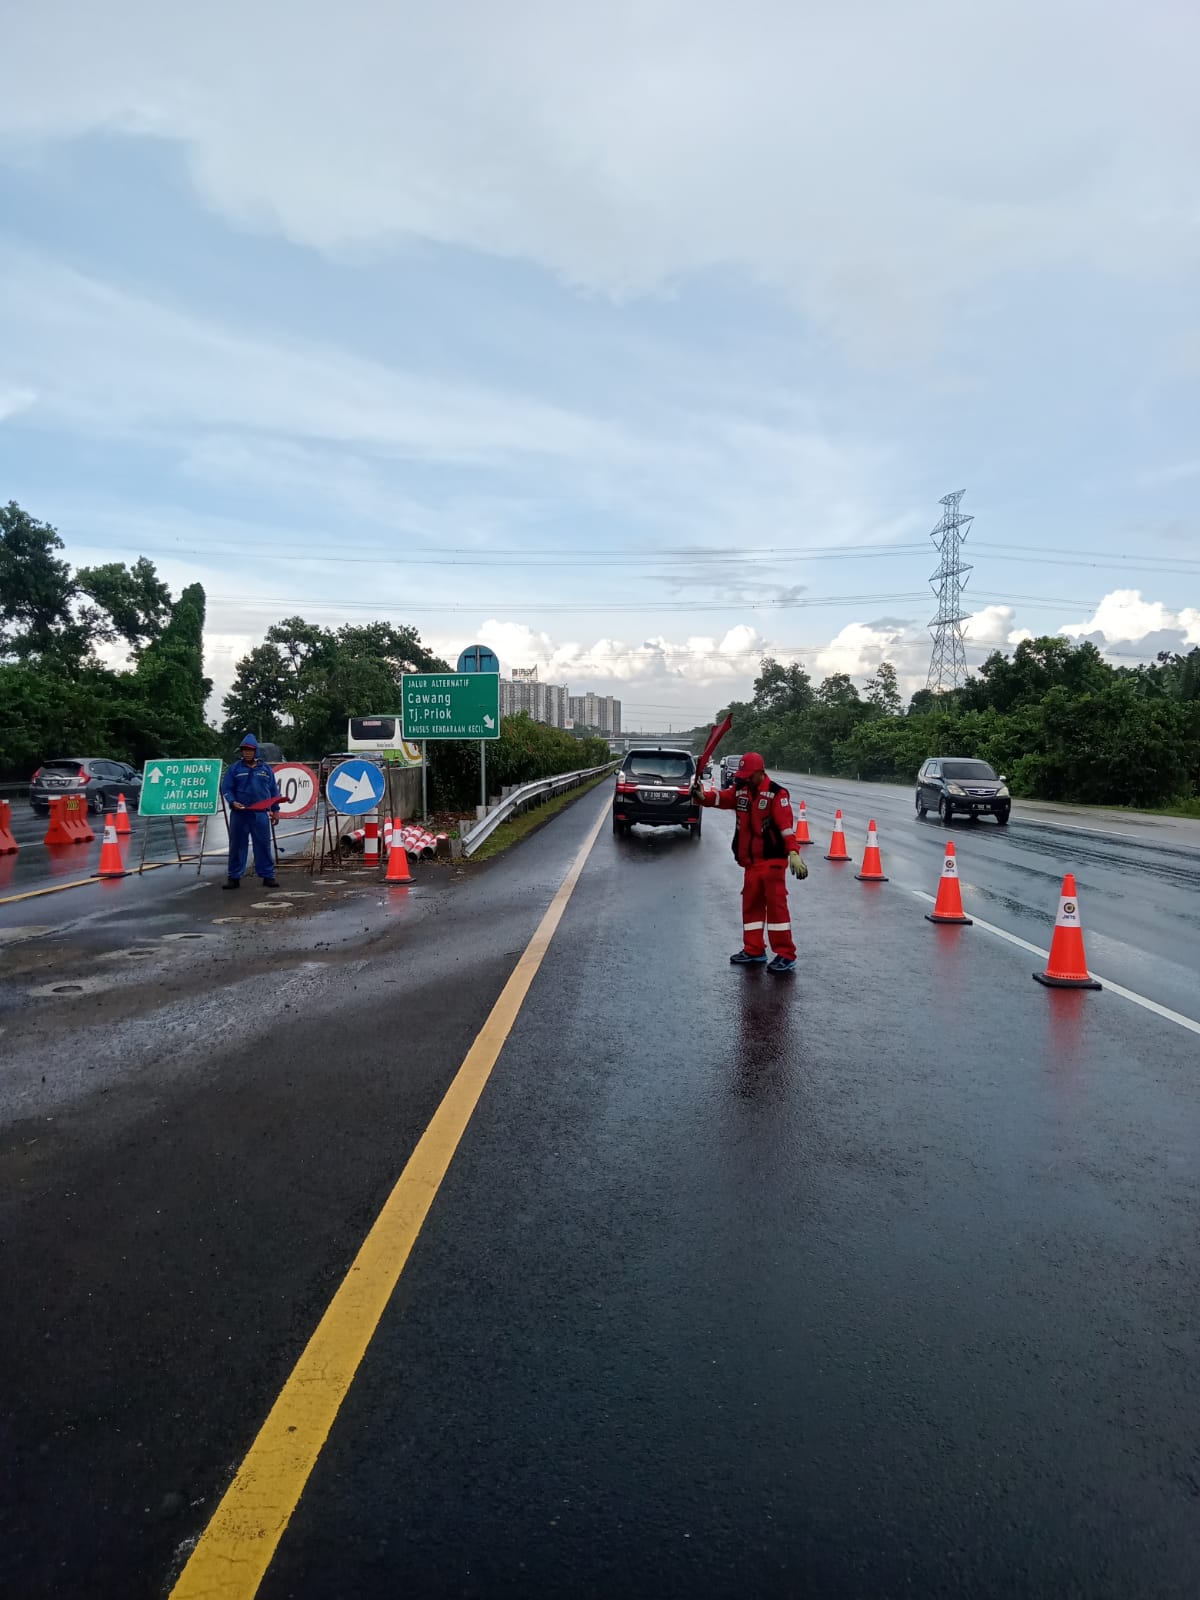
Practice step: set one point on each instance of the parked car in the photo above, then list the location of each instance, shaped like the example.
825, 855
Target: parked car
98, 781
947, 784
654, 787
729, 765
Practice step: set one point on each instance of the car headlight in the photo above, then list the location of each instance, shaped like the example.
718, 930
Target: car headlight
954, 788
1002, 792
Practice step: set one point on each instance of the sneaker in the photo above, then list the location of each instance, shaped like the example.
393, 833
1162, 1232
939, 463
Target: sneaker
232, 883
745, 959
270, 883
782, 964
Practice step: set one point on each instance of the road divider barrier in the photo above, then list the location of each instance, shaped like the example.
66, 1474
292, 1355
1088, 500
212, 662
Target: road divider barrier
871, 870
59, 831
1067, 966
111, 865
371, 845
77, 823
802, 834
8, 845
948, 906
837, 846
123, 825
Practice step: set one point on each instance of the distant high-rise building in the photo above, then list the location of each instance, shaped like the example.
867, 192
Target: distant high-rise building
595, 711
545, 702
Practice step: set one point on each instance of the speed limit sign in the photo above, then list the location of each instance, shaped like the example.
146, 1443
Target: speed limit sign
298, 786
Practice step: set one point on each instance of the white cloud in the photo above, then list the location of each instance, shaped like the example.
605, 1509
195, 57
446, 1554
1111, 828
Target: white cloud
991, 626
1123, 616
859, 648
625, 144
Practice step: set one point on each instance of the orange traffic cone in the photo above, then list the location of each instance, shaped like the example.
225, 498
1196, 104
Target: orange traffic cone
949, 907
1067, 967
871, 870
397, 871
8, 845
837, 846
191, 822
802, 834
58, 831
111, 865
122, 816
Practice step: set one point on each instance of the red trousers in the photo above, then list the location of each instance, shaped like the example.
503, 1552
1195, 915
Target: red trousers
765, 905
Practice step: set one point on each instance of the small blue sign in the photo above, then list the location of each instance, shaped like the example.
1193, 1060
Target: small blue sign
478, 658
355, 787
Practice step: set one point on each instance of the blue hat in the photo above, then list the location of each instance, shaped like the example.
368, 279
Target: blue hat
249, 740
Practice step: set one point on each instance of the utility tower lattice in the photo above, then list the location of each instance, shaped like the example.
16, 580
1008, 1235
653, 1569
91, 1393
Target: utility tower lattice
948, 663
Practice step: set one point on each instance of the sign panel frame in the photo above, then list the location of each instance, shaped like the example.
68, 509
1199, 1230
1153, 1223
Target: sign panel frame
451, 705
181, 786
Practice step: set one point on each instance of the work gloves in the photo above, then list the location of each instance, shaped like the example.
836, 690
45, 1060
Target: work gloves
697, 790
796, 865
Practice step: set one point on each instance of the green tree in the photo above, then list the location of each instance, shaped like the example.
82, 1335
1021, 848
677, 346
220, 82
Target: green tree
135, 602
883, 691
37, 619
169, 689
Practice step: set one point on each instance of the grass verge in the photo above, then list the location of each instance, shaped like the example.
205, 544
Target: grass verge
512, 832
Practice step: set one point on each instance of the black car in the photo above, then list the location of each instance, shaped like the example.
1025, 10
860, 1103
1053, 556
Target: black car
947, 784
729, 765
654, 787
98, 782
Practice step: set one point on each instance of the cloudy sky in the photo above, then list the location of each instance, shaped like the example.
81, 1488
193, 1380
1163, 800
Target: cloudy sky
633, 339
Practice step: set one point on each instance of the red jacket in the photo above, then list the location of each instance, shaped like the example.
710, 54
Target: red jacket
765, 829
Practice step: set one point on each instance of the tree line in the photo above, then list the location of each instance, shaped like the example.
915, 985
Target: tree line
297, 688
1055, 717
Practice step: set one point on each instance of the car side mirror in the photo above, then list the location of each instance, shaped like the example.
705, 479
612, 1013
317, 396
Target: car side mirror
1003, 777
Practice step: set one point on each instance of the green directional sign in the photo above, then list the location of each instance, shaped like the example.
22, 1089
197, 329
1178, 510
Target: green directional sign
451, 705
180, 788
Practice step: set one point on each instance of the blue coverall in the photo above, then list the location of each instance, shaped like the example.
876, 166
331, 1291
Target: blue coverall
246, 785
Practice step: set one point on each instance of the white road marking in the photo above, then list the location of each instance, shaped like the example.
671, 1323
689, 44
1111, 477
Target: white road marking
1117, 988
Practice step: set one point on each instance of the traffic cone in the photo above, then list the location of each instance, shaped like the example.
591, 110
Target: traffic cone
1067, 967
837, 846
189, 822
123, 816
802, 834
871, 870
949, 907
397, 867
58, 832
111, 865
8, 845
389, 827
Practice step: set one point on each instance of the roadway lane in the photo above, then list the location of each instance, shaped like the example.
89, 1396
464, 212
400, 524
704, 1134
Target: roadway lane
880, 1280
1138, 875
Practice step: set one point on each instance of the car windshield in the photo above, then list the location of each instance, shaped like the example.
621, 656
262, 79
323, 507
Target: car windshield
967, 769
658, 764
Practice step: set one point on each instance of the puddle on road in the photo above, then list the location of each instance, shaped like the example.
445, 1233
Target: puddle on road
172, 937
270, 905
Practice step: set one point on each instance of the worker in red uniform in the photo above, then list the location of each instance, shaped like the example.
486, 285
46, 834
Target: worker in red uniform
764, 842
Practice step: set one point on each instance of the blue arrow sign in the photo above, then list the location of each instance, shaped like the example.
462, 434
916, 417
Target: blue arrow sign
355, 787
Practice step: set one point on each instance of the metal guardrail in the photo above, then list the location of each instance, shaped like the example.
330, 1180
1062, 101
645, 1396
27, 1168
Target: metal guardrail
525, 795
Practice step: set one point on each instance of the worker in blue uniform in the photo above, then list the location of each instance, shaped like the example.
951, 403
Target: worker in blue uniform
248, 788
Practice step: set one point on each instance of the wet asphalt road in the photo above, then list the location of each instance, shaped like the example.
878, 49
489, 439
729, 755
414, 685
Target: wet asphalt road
879, 1281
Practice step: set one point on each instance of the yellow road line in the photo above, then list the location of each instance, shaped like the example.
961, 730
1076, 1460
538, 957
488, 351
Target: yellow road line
238, 1545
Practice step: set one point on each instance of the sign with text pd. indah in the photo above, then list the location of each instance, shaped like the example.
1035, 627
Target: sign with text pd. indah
180, 787
451, 705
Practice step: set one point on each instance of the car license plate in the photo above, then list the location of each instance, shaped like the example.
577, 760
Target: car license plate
655, 794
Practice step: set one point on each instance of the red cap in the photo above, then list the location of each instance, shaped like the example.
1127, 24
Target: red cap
751, 763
